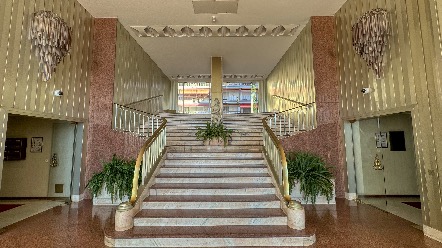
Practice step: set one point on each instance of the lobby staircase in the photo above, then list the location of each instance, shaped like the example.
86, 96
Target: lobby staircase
212, 196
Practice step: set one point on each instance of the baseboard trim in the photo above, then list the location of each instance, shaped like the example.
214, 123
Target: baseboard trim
432, 233
77, 198
351, 196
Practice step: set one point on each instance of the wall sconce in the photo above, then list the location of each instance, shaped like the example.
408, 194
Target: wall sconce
370, 37
51, 40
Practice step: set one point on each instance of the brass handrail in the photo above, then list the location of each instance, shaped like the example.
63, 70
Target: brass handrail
285, 172
288, 110
143, 149
146, 99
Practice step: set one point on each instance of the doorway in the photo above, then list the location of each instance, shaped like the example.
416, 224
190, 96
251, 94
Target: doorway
49, 160
381, 164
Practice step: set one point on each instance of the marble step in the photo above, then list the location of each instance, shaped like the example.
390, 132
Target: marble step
203, 148
212, 202
188, 155
209, 217
215, 161
235, 179
205, 169
212, 189
172, 137
183, 133
210, 236
200, 142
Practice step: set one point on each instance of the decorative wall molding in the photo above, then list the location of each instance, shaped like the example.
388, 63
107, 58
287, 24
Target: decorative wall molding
370, 38
432, 233
226, 77
268, 30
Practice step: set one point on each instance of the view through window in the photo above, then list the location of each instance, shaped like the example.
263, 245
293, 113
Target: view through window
238, 97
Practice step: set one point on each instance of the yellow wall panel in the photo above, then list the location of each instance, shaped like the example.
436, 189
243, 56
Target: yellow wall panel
137, 77
293, 76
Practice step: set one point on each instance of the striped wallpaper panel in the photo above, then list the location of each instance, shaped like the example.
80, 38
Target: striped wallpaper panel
23, 91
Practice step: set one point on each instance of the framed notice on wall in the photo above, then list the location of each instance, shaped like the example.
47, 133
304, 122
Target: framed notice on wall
37, 144
381, 140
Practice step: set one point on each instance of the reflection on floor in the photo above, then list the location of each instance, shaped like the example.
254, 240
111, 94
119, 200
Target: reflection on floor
345, 224
26, 209
399, 206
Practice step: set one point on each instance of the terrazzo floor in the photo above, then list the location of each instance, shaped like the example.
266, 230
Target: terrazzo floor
345, 224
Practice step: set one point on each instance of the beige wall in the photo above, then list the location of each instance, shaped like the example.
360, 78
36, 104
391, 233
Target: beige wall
29, 177
400, 170
412, 82
137, 76
23, 90
293, 77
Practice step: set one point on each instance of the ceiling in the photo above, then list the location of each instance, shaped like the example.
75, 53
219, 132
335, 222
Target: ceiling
191, 55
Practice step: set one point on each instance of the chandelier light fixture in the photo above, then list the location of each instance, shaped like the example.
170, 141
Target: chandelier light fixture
51, 41
370, 37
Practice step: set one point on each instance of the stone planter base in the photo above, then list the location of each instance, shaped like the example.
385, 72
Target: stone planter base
214, 143
104, 199
320, 199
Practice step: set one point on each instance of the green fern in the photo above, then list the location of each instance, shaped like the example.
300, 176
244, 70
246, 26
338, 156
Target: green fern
312, 174
214, 130
117, 175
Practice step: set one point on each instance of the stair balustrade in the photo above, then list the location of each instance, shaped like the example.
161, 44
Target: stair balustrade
278, 163
134, 121
294, 120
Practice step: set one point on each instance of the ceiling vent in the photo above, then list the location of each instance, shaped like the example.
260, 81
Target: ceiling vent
215, 6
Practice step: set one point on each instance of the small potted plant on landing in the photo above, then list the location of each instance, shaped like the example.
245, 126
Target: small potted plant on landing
214, 131
310, 178
113, 184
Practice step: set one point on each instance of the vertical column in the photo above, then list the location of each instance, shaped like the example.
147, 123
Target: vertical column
3, 127
217, 89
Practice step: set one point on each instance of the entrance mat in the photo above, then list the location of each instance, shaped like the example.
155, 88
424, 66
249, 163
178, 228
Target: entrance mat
413, 204
6, 207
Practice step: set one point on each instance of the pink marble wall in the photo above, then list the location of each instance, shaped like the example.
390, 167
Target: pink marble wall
102, 141
327, 140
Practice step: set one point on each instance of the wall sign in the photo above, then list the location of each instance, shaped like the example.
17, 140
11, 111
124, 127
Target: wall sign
381, 140
36, 144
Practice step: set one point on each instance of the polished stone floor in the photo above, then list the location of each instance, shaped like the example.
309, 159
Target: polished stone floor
345, 225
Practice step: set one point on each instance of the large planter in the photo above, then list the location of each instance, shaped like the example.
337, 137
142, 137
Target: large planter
104, 199
320, 199
214, 142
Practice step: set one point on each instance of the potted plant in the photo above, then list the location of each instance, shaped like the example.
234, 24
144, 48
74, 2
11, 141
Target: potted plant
310, 177
214, 130
114, 182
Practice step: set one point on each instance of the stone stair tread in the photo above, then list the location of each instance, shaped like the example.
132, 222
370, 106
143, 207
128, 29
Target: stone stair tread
210, 175
210, 213
217, 159
208, 232
237, 166
211, 198
208, 152
211, 186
